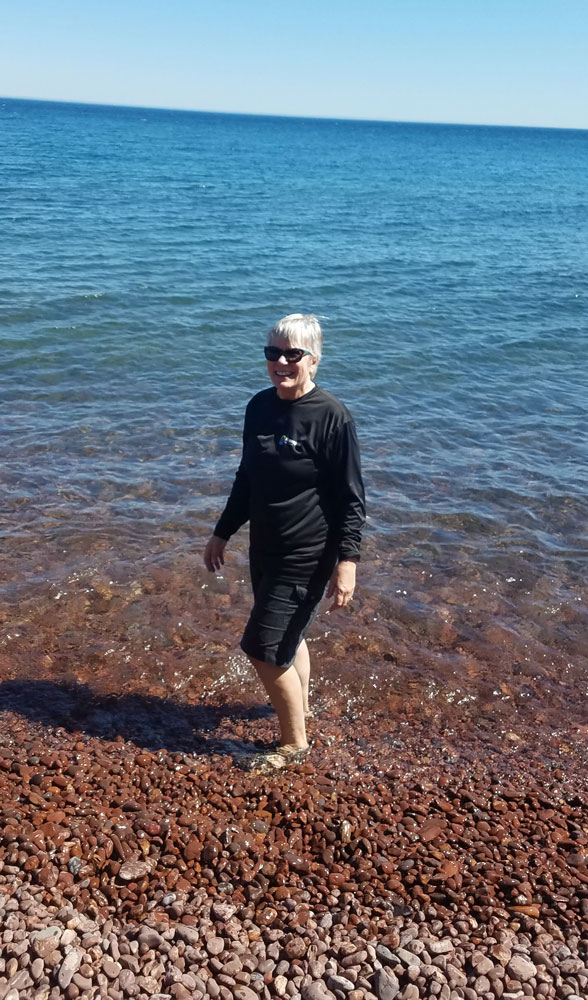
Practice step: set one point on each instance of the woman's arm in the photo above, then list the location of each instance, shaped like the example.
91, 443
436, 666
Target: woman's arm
349, 513
348, 492
236, 511
235, 514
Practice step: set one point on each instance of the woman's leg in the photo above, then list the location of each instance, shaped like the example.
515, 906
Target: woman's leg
284, 689
302, 668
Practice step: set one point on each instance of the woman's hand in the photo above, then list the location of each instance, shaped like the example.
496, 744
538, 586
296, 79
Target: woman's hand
214, 556
342, 584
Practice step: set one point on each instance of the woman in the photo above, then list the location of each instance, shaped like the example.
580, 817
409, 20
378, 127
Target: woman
299, 485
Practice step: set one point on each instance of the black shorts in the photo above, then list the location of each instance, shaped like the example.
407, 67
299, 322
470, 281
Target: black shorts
281, 615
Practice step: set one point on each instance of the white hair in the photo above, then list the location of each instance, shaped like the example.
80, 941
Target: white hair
299, 330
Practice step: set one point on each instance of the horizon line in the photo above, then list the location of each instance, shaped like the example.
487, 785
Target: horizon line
325, 118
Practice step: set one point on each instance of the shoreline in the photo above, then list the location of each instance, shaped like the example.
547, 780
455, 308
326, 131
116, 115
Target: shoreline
435, 843
477, 659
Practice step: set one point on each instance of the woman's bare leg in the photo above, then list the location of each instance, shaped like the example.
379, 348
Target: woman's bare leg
284, 689
302, 668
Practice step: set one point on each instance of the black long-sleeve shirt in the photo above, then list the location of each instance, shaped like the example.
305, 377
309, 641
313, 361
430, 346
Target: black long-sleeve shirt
299, 482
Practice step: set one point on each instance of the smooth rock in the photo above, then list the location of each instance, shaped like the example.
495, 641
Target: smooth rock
481, 963
407, 958
386, 984
126, 979
521, 968
341, 983
21, 980
151, 938
188, 934
46, 941
385, 955
69, 967
244, 993
316, 990
214, 945
443, 947
111, 969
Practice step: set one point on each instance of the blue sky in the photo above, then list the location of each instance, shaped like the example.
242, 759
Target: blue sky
518, 62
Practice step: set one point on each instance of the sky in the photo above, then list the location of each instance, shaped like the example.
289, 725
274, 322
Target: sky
505, 62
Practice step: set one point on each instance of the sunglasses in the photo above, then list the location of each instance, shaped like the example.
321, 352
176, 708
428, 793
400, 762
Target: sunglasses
292, 355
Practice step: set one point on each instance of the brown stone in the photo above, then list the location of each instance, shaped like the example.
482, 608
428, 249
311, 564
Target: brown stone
432, 828
214, 945
192, 849
296, 947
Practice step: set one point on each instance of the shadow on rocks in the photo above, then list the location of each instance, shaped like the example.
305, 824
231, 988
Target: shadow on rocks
150, 722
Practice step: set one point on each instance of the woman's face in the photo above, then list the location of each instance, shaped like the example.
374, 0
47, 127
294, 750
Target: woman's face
291, 379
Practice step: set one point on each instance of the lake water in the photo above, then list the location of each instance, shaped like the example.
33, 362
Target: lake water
145, 253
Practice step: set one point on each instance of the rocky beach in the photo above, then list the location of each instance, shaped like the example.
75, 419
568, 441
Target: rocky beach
434, 844
430, 846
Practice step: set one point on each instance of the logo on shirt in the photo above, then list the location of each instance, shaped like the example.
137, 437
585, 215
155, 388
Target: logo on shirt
286, 440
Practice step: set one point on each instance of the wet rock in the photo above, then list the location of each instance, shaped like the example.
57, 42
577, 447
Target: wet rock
432, 828
311, 881
267, 915
193, 849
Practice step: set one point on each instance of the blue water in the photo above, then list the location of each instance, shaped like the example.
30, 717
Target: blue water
145, 253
